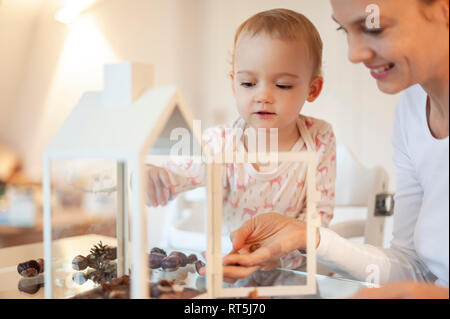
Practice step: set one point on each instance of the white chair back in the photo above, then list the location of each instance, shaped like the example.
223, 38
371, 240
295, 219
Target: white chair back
356, 190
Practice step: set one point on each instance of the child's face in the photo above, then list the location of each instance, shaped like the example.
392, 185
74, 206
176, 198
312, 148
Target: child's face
272, 80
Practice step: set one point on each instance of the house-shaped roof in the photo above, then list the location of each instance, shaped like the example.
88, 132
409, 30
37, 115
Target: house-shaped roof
120, 122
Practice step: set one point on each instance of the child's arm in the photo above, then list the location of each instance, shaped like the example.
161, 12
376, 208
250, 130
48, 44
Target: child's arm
325, 181
180, 174
165, 183
325, 144
326, 173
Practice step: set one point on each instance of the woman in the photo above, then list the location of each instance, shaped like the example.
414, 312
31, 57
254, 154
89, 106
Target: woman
408, 52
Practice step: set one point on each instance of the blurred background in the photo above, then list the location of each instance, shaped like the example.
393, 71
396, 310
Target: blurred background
53, 51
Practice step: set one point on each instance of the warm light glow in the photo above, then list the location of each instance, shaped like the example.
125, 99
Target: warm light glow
79, 69
72, 10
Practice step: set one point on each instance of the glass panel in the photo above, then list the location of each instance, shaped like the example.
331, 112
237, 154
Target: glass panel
251, 189
84, 205
176, 224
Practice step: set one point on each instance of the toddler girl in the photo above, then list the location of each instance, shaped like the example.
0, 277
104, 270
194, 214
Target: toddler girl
276, 68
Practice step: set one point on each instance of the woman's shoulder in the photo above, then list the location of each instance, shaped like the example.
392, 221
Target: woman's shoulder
412, 103
410, 122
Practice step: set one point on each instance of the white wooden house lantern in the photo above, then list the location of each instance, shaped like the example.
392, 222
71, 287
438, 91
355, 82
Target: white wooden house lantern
122, 123
214, 275
119, 124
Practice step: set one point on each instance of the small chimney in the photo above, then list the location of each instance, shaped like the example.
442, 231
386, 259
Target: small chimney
125, 82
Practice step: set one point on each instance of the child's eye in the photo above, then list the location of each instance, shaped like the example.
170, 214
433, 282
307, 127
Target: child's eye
284, 87
247, 84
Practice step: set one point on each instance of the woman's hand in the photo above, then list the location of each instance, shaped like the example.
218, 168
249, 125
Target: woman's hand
275, 234
404, 290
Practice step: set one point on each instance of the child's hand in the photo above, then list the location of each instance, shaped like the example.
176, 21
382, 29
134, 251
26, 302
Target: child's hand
157, 186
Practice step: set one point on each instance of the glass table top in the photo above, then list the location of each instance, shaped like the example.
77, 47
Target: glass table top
186, 277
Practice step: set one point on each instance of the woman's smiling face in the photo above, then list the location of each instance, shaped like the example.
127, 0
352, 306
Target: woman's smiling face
406, 49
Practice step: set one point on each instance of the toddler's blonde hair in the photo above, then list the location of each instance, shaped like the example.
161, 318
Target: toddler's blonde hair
285, 25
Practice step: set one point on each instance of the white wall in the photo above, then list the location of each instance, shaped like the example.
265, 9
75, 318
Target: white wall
17, 22
189, 42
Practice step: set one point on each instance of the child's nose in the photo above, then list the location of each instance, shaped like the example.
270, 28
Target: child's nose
264, 95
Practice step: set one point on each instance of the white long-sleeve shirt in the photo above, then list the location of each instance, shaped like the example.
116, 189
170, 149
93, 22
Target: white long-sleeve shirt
420, 245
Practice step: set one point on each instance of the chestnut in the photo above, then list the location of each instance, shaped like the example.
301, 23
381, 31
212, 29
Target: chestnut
170, 263
40, 261
118, 294
158, 250
165, 286
155, 292
109, 267
111, 253
107, 287
192, 258
125, 280
79, 262
28, 286
92, 261
189, 293
198, 265
93, 275
29, 268
155, 260
181, 256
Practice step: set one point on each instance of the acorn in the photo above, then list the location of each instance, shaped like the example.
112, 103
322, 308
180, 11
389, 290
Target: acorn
181, 256
29, 268
155, 260
192, 258
79, 262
